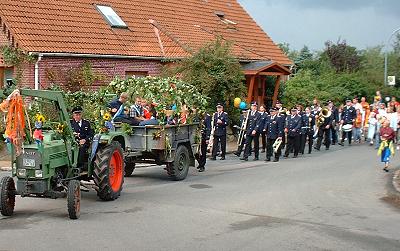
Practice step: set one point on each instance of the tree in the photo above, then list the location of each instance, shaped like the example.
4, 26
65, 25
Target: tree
343, 58
215, 71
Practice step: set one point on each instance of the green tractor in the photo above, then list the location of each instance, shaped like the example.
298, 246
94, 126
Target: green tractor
51, 170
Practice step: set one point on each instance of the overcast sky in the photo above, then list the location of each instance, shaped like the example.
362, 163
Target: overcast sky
362, 23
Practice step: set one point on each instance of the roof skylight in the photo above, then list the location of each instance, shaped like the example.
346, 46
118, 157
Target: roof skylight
111, 16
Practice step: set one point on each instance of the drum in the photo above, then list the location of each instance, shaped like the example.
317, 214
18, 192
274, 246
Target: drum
347, 128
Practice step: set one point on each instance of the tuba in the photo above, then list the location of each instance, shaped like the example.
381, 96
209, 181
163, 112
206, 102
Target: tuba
323, 114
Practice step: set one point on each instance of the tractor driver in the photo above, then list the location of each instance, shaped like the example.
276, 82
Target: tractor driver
82, 132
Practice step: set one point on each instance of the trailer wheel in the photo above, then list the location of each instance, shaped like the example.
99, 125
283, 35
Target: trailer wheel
74, 199
179, 169
7, 196
129, 168
108, 172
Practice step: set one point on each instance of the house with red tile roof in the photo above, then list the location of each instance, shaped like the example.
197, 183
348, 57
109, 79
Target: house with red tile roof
136, 37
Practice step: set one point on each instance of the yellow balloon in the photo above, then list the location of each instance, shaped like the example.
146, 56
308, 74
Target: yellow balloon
236, 102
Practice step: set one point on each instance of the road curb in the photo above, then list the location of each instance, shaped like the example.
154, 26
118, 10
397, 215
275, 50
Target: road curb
396, 180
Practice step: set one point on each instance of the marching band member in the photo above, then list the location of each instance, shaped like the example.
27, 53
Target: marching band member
205, 137
308, 130
274, 126
220, 123
334, 122
264, 116
348, 118
252, 132
293, 126
324, 132
242, 142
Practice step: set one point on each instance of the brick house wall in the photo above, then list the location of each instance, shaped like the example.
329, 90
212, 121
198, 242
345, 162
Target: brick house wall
108, 68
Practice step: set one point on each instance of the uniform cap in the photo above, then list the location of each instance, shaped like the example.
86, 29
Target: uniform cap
254, 103
219, 105
77, 109
273, 109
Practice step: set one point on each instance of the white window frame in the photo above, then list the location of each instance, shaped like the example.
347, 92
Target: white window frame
112, 18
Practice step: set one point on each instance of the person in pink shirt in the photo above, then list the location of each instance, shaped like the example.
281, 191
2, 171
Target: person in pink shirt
386, 149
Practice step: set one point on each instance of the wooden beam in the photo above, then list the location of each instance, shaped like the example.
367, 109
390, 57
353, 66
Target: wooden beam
263, 87
251, 89
276, 91
1, 77
256, 88
271, 73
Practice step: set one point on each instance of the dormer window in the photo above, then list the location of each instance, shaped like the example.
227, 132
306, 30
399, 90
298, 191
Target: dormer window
111, 16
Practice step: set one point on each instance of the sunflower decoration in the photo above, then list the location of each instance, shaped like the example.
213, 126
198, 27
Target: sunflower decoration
60, 128
107, 116
40, 118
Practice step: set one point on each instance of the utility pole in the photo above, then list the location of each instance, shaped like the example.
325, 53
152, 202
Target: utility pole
386, 54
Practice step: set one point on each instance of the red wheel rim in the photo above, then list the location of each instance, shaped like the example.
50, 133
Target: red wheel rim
116, 172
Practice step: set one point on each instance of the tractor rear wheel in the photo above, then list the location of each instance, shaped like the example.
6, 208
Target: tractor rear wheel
108, 172
178, 169
74, 199
129, 168
7, 196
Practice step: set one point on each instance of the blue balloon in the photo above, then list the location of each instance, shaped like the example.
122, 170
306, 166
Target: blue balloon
242, 105
174, 107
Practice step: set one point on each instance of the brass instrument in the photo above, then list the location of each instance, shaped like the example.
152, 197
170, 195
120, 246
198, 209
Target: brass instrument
323, 114
243, 127
277, 144
320, 119
211, 140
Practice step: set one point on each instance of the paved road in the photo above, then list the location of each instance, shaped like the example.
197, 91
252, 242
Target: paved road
322, 201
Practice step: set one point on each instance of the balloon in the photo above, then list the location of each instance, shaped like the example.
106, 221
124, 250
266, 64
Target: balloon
174, 107
237, 102
242, 105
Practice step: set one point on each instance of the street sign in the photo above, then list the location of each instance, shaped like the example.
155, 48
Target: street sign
392, 80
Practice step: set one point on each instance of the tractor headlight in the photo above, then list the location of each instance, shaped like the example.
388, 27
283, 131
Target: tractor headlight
21, 173
38, 173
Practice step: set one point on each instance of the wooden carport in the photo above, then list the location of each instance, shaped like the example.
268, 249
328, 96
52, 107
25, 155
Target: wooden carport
256, 76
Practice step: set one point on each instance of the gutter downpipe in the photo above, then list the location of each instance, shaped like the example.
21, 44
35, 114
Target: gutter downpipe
37, 71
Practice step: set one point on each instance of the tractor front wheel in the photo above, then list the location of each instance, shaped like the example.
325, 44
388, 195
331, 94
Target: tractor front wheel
109, 171
7, 196
74, 199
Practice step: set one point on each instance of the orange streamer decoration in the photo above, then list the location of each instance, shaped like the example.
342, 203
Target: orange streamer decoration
15, 122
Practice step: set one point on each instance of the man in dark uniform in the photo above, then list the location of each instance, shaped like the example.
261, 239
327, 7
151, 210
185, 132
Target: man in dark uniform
252, 132
273, 127
243, 118
293, 127
335, 120
264, 116
324, 131
308, 130
221, 120
83, 134
348, 118
205, 137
